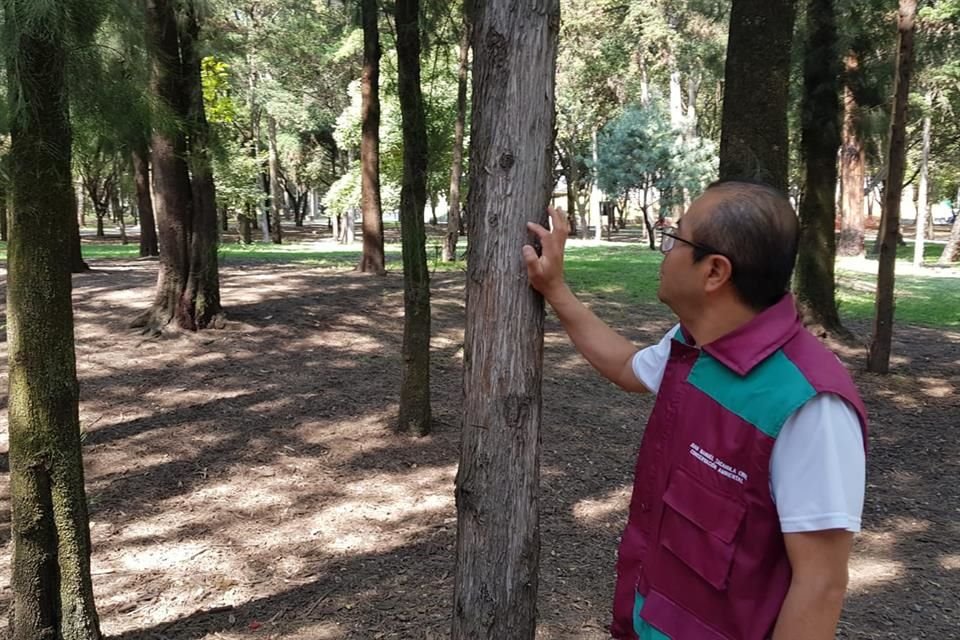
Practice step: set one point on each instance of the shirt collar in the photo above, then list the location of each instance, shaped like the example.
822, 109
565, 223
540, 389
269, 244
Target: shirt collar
753, 342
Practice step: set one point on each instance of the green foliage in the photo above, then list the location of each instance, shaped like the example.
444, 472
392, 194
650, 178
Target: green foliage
217, 93
641, 151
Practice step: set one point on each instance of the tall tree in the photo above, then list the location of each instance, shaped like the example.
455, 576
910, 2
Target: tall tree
188, 289
820, 138
51, 585
456, 166
878, 360
753, 141
203, 282
852, 160
373, 260
497, 486
415, 376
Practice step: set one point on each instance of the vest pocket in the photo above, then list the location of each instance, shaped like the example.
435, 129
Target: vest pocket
700, 527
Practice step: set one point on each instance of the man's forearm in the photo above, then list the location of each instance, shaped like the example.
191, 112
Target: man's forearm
605, 349
810, 611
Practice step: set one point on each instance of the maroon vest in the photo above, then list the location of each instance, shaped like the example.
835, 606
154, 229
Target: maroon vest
703, 545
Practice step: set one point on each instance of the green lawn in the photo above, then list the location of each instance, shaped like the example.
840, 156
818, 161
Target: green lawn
631, 274
626, 272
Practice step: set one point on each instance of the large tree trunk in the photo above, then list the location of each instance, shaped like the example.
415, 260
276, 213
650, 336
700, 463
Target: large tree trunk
753, 140
456, 166
372, 260
141, 179
852, 162
923, 209
820, 139
186, 284
878, 360
52, 594
415, 375
276, 195
497, 486
203, 282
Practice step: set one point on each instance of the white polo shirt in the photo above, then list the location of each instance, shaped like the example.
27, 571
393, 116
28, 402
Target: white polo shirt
818, 465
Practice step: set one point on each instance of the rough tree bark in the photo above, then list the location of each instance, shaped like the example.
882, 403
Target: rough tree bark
187, 283
415, 375
753, 140
141, 178
951, 252
456, 166
878, 360
815, 283
203, 281
852, 162
51, 590
373, 259
497, 486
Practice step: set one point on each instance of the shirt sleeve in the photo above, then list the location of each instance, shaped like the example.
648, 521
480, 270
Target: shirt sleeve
818, 467
650, 363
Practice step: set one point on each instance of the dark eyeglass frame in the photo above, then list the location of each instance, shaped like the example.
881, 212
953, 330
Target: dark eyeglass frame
667, 246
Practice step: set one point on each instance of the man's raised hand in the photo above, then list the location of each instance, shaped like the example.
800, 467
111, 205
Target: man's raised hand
545, 271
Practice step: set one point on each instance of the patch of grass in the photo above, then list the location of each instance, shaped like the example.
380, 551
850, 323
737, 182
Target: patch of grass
922, 300
631, 272
309, 254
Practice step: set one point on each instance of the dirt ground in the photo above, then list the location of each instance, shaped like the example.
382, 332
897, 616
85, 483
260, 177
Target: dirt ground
245, 483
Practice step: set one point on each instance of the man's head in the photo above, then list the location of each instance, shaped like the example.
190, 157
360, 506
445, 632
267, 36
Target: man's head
737, 242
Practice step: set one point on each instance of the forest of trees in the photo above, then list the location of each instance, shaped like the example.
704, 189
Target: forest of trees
190, 119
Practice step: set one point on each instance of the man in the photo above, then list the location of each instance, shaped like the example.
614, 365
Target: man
750, 476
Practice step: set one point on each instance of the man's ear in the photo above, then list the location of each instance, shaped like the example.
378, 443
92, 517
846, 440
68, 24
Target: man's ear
719, 271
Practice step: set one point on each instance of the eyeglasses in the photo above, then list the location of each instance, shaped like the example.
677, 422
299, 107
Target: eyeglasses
669, 238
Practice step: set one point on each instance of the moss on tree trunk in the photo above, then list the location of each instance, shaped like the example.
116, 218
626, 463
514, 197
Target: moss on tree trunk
52, 591
820, 139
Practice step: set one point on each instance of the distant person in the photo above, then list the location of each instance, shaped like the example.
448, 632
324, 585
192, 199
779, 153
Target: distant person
749, 482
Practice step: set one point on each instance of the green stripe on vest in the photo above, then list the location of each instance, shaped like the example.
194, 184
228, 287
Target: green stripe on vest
765, 397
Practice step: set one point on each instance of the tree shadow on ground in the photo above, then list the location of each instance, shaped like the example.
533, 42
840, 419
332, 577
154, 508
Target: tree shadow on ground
251, 474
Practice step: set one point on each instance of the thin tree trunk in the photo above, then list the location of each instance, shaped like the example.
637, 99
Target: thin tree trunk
276, 196
852, 161
497, 486
117, 209
820, 138
595, 194
456, 166
415, 376
262, 208
141, 179
51, 590
753, 140
693, 91
77, 263
922, 206
878, 360
372, 259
